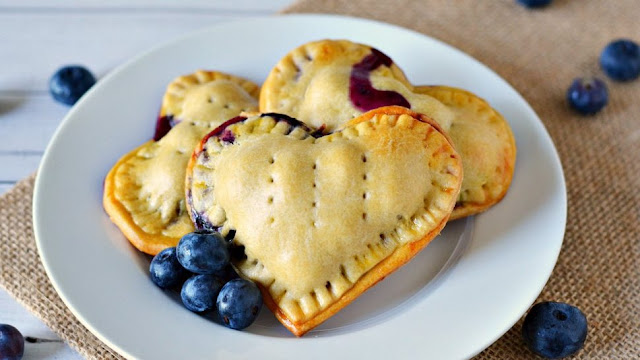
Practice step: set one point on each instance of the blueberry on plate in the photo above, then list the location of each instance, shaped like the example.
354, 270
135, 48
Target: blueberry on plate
239, 303
69, 83
534, 3
620, 60
166, 271
199, 292
11, 343
554, 330
588, 95
203, 252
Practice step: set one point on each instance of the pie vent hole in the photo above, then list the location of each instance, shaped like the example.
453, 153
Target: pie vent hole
364, 177
270, 200
315, 166
364, 216
364, 158
271, 179
399, 217
343, 271
272, 160
327, 285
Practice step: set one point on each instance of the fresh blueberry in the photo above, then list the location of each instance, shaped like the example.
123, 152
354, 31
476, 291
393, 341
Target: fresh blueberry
239, 303
199, 292
534, 3
554, 330
203, 252
620, 59
69, 83
227, 273
11, 343
588, 95
166, 271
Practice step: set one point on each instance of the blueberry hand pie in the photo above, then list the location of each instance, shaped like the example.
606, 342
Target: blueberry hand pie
329, 82
319, 218
144, 191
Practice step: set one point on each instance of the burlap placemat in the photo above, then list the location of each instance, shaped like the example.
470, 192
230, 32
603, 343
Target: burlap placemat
539, 53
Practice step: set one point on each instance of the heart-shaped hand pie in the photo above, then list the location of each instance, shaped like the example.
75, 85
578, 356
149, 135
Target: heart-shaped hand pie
484, 141
144, 191
322, 219
329, 82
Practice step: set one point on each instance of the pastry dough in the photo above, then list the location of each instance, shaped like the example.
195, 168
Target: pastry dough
323, 219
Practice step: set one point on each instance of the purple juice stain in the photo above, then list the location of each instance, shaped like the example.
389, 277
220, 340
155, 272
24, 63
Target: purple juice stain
163, 125
362, 93
227, 136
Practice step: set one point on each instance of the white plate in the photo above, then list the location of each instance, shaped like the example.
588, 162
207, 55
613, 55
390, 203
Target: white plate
490, 268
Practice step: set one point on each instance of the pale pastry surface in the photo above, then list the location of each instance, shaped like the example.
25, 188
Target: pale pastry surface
200, 97
484, 140
144, 191
311, 83
316, 216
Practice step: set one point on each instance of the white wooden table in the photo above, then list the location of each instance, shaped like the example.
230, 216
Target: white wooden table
39, 36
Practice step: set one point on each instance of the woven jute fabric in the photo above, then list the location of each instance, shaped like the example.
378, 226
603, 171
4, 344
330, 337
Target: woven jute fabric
24, 277
539, 52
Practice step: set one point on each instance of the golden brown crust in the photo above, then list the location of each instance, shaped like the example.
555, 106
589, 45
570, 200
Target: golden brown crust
217, 175
487, 147
312, 83
144, 191
142, 240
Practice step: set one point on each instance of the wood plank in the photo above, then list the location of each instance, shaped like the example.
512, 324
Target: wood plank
14, 314
27, 122
4, 187
236, 5
16, 166
40, 43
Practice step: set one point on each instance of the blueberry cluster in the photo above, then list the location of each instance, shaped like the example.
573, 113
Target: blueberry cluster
199, 265
620, 60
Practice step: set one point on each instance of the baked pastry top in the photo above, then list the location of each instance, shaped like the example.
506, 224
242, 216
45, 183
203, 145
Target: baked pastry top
144, 191
329, 82
486, 145
323, 218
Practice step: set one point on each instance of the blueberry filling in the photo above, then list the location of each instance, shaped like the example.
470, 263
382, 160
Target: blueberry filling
202, 223
362, 93
288, 119
163, 125
227, 136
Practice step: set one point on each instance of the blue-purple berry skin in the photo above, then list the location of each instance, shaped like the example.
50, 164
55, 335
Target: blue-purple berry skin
620, 60
588, 95
534, 3
69, 83
203, 252
166, 271
554, 330
200, 292
239, 303
11, 343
